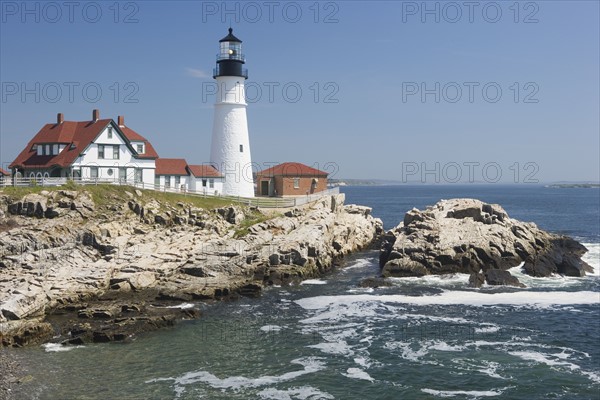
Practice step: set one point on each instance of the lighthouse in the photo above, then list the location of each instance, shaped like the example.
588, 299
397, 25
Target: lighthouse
230, 147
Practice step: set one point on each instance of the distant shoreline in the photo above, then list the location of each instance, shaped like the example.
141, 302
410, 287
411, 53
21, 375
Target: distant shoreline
367, 182
573, 185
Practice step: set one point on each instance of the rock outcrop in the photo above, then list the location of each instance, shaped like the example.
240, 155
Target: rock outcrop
69, 260
472, 237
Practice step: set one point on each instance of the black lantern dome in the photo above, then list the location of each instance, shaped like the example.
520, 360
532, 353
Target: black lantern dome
230, 59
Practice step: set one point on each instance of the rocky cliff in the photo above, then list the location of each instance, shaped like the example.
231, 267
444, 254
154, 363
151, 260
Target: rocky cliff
469, 236
102, 266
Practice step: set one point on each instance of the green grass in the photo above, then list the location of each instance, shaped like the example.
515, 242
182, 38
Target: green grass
251, 219
106, 194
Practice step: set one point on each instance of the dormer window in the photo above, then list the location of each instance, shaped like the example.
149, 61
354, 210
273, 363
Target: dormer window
140, 148
110, 132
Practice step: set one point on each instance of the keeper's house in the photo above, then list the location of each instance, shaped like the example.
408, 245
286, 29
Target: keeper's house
107, 151
290, 179
97, 149
176, 173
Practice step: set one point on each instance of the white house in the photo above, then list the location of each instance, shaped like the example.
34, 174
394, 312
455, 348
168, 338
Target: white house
176, 174
106, 151
96, 149
205, 179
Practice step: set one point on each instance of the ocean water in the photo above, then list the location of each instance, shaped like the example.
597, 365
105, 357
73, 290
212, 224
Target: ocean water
422, 338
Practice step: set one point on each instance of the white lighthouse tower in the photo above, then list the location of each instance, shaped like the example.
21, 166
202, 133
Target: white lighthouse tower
230, 149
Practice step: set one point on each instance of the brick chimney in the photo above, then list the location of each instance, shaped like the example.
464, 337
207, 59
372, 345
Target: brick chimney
60, 118
95, 115
121, 121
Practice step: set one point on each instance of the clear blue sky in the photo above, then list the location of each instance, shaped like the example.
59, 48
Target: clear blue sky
373, 58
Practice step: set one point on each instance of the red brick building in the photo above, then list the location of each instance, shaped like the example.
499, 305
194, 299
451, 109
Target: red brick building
290, 179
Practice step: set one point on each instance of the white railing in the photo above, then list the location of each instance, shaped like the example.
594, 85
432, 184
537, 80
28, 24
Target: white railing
266, 202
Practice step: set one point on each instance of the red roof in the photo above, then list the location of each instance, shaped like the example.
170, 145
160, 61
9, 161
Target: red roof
4, 172
77, 136
171, 166
204, 171
292, 169
133, 136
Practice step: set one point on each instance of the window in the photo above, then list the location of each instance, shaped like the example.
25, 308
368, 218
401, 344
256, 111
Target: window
94, 172
116, 152
140, 149
177, 181
109, 133
123, 174
296, 183
157, 181
55, 149
203, 182
47, 149
211, 183
109, 172
38, 149
101, 151
241, 148
167, 181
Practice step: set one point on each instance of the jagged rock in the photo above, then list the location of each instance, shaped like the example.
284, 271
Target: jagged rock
403, 268
85, 253
24, 333
274, 259
51, 213
142, 280
500, 277
195, 271
476, 279
469, 236
233, 215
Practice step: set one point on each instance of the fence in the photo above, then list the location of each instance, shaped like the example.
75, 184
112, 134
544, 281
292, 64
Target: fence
265, 202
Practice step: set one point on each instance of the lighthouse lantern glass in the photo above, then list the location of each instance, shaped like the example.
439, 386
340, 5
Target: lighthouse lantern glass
231, 51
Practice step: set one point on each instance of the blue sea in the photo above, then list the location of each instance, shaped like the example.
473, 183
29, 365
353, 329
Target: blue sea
422, 338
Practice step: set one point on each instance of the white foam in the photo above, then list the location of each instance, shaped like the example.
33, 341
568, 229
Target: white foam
443, 346
488, 368
357, 373
434, 280
552, 281
333, 347
57, 347
360, 263
310, 364
407, 352
468, 393
594, 376
313, 282
270, 328
300, 393
182, 306
487, 329
543, 359
470, 298
592, 257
